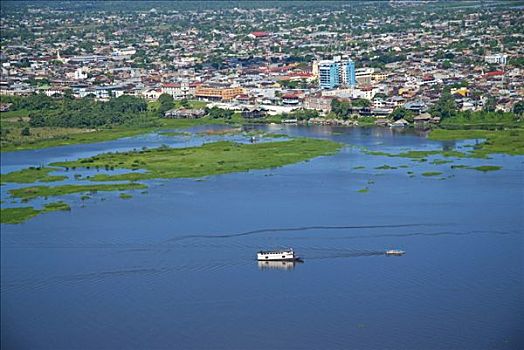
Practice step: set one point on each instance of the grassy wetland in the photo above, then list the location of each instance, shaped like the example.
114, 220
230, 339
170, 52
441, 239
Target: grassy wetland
33, 192
32, 174
163, 162
21, 214
209, 159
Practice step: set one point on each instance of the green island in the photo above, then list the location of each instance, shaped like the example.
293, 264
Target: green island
21, 214
209, 159
46, 191
32, 174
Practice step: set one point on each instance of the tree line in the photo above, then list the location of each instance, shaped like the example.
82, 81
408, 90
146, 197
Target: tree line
45, 111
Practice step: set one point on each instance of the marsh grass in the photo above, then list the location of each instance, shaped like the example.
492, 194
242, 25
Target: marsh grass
31, 175
493, 141
21, 214
45, 191
209, 159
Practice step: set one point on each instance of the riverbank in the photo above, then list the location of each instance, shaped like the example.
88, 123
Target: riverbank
52, 137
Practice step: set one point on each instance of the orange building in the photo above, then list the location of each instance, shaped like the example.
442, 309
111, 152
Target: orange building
218, 93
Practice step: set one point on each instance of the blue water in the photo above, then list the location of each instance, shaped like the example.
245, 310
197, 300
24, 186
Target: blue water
175, 268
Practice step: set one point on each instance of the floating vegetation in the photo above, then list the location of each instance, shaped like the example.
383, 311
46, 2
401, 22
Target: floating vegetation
441, 161
363, 190
486, 168
125, 196
385, 167
483, 168
432, 173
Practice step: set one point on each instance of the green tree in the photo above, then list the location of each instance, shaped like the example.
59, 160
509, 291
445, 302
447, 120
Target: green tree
518, 108
361, 102
401, 113
166, 103
491, 104
25, 132
342, 109
445, 106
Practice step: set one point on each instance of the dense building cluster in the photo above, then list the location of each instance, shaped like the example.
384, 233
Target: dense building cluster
283, 56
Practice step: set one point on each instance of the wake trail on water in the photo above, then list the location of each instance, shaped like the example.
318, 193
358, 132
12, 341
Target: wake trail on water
296, 229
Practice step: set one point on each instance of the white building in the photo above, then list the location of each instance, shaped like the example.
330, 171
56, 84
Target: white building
496, 59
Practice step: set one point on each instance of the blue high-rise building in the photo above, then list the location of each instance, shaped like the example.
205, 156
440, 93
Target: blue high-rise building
328, 74
348, 73
336, 72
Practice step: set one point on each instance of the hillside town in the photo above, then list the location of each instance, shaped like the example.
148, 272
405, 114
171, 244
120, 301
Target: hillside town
263, 60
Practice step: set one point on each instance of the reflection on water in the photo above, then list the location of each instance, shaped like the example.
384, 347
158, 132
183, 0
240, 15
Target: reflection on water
278, 265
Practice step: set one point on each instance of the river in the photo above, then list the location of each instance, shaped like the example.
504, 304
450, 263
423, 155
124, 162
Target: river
175, 267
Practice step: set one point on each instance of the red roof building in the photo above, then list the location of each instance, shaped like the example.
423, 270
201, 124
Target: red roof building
258, 34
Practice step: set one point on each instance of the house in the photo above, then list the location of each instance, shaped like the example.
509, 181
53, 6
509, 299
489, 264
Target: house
256, 112
400, 123
319, 103
422, 121
258, 35
416, 107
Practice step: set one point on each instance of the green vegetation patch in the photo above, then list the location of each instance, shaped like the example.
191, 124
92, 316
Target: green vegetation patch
45, 191
31, 175
486, 168
441, 161
209, 159
19, 215
496, 141
432, 173
385, 167
56, 206
363, 190
125, 196
418, 155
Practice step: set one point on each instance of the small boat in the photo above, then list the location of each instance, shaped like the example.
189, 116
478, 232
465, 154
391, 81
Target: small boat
277, 255
395, 252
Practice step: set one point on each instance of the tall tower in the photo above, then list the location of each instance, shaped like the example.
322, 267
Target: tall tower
328, 74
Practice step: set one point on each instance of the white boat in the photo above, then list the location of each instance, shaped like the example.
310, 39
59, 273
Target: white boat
277, 255
395, 252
